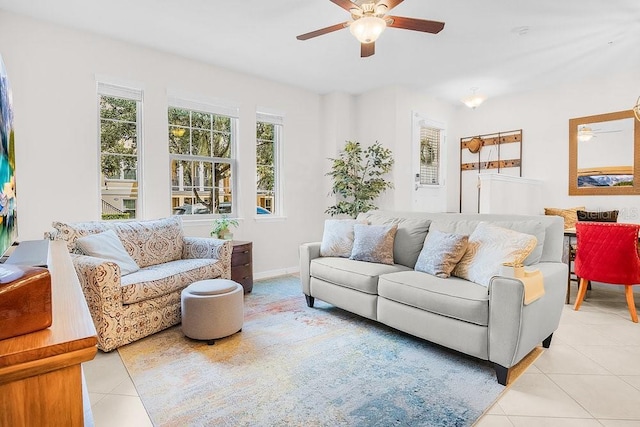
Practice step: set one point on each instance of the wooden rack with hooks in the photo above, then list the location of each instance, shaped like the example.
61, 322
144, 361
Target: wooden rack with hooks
493, 159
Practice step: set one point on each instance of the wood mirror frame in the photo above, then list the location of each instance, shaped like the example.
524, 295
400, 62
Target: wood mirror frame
574, 190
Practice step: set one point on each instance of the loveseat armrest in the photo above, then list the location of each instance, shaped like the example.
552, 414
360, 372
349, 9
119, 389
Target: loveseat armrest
208, 248
100, 282
308, 252
514, 328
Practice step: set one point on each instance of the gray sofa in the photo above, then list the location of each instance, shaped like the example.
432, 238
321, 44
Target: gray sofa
491, 323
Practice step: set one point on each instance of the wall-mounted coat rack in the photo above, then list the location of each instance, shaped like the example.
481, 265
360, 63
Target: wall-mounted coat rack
490, 152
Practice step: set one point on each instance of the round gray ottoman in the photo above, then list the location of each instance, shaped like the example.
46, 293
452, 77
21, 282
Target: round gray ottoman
212, 309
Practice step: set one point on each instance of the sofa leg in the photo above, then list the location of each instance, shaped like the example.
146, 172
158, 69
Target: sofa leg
310, 300
547, 341
211, 342
502, 374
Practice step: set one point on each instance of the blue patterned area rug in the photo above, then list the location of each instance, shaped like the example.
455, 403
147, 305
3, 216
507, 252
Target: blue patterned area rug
297, 366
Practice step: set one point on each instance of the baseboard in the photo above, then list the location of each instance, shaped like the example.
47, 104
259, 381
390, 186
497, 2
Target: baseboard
274, 273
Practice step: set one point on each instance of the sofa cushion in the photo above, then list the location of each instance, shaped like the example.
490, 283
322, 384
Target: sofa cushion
359, 275
107, 245
373, 243
148, 242
533, 227
489, 247
441, 252
337, 237
453, 297
409, 237
161, 279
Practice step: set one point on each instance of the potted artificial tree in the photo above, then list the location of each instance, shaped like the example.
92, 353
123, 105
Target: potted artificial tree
357, 175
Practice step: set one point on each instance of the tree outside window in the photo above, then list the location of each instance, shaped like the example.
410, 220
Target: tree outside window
266, 149
200, 147
119, 139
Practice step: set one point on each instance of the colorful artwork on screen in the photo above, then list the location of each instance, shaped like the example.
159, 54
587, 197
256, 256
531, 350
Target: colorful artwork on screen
8, 212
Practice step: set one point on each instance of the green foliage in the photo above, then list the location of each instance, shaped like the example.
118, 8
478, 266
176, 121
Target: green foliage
427, 152
357, 176
118, 136
222, 224
265, 160
111, 216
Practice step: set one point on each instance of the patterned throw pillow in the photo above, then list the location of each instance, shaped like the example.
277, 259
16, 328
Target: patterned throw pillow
441, 252
373, 243
489, 247
337, 237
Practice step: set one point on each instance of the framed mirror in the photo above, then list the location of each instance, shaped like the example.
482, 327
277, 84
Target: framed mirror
604, 154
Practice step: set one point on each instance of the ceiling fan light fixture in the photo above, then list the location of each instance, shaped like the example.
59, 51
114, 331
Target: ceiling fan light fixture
368, 28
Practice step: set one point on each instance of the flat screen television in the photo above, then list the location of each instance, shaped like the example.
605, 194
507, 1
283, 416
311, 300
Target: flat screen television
8, 209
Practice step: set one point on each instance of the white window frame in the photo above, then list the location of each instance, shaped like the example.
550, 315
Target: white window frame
278, 161
129, 92
219, 108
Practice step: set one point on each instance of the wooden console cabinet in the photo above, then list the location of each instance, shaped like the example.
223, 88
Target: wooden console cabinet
40, 372
242, 264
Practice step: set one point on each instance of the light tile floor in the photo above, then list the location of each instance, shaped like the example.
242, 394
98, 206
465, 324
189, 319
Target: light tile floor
590, 376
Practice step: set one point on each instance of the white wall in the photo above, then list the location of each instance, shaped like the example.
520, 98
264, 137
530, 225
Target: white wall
52, 72
544, 117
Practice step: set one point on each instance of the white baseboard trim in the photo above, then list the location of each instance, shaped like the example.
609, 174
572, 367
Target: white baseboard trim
274, 273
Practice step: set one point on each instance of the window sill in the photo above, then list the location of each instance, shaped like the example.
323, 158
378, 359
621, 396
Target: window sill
269, 218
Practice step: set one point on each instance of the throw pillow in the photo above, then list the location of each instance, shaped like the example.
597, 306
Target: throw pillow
373, 243
570, 215
337, 237
489, 247
598, 216
107, 245
441, 252
409, 237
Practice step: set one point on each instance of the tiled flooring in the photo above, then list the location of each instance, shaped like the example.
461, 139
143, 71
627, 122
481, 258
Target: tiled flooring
590, 376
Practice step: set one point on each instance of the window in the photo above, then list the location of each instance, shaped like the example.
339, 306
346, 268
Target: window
429, 155
120, 138
201, 148
268, 153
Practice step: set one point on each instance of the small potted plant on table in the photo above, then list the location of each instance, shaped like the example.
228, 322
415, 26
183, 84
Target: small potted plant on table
221, 227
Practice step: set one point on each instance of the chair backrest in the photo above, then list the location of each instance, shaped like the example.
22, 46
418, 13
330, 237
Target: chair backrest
608, 252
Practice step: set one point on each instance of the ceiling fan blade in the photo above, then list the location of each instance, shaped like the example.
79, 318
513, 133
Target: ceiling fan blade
367, 49
423, 25
322, 31
390, 4
345, 4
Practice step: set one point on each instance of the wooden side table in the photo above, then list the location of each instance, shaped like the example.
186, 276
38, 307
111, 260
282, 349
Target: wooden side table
242, 264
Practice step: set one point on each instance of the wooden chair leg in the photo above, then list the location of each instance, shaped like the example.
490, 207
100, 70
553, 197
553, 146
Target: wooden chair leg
582, 290
628, 291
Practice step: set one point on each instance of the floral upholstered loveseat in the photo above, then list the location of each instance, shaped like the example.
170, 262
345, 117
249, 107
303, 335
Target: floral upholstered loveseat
128, 307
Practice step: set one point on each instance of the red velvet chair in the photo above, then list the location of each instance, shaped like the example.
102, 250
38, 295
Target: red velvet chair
608, 253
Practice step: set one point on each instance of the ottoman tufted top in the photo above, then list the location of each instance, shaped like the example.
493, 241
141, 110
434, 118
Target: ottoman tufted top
212, 287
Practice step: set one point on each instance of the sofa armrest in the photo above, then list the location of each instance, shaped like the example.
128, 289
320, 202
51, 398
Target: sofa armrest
514, 328
100, 282
206, 247
308, 252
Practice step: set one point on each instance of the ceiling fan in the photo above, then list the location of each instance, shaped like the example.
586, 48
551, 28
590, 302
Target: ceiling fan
369, 19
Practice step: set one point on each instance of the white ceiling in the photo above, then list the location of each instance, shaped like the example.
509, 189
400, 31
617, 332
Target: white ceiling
497, 46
